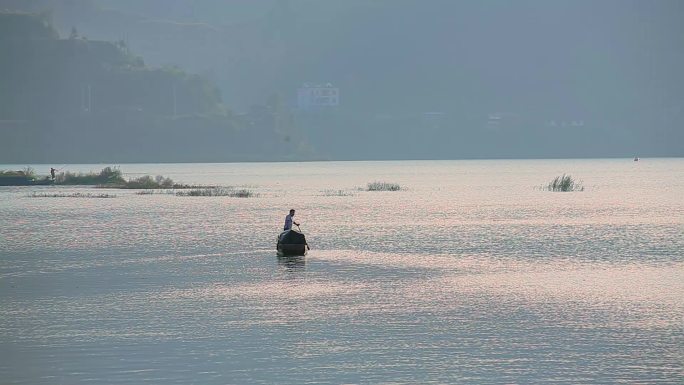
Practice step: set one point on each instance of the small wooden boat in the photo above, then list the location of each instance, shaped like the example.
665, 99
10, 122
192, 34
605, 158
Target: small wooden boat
292, 242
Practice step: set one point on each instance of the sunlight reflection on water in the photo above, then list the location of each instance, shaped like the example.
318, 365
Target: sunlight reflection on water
470, 274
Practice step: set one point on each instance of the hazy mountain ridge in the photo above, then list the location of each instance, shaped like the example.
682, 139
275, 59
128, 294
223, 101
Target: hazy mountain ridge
81, 100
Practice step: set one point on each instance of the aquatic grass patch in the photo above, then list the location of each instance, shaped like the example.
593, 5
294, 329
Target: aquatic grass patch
26, 172
564, 183
217, 192
148, 182
159, 182
108, 176
337, 193
70, 195
11, 173
156, 192
382, 186
24, 177
111, 177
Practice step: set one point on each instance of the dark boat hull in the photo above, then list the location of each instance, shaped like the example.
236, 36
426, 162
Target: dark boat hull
291, 249
291, 242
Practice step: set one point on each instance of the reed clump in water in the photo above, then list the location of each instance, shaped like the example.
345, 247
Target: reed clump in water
382, 186
70, 195
147, 182
217, 192
337, 193
156, 192
564, 183
24, 177
111, 177
159, 182
108, 176
27, 172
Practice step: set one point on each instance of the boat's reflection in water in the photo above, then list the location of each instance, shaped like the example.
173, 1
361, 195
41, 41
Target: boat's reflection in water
292, 262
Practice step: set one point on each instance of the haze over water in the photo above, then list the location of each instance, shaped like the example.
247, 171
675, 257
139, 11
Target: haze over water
470, 274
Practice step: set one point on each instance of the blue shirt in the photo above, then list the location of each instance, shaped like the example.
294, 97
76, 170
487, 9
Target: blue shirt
288, 222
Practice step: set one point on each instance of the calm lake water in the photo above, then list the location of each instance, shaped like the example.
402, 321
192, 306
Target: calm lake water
469, 274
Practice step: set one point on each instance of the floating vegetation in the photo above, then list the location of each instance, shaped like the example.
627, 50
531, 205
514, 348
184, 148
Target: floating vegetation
108, 176
564, 183
70, 195
383, 186
156, 192
337, 193
27, 172
148, 182
111, 177
217, 192
25, 177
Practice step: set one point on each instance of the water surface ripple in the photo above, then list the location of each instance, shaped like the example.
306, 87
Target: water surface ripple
469, 274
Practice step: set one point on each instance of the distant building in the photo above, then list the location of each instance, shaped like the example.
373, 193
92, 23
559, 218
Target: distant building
565, 123
495, 120
499, 121
432, 119
317, 96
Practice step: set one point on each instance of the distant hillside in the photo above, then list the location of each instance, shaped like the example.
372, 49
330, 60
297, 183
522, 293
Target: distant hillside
45, 76
81, 100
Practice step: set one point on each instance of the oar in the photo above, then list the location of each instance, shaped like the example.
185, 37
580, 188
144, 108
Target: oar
306, 243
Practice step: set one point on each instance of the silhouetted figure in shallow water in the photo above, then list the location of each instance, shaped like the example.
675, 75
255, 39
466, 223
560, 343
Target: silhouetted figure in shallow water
289, 220
52, 172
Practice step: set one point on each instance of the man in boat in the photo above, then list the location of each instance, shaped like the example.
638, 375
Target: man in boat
289, 221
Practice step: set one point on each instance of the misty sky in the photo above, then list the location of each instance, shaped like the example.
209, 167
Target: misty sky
609, 66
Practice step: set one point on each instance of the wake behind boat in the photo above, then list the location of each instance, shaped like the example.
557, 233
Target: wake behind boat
292, 242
